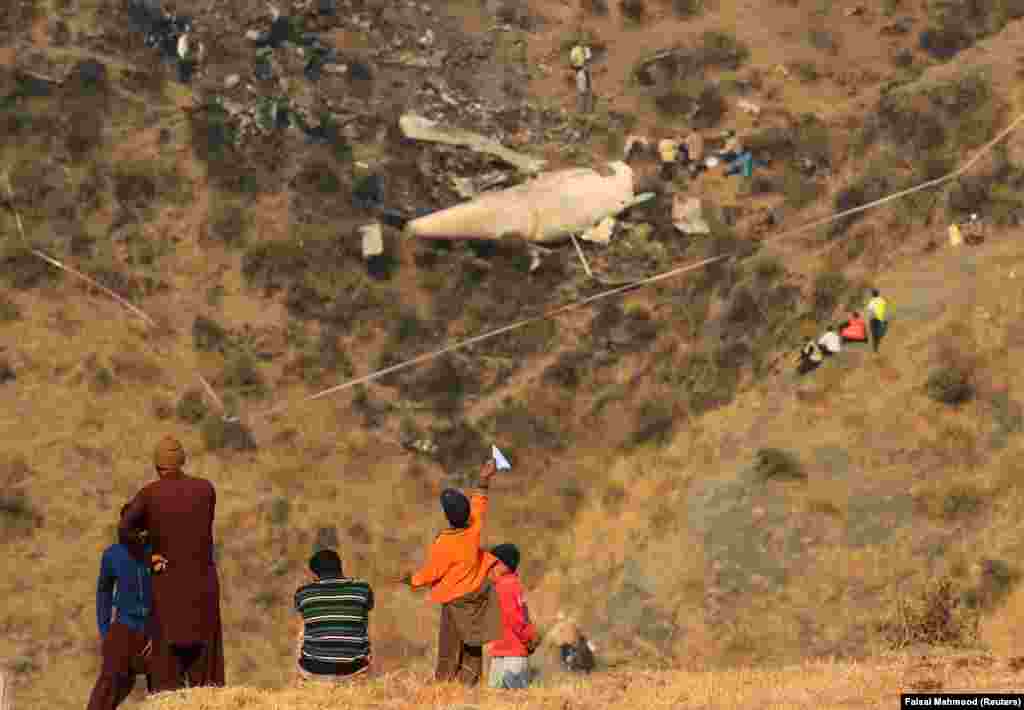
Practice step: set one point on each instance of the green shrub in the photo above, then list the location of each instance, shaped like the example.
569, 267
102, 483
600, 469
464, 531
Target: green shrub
9, 310
241, 375
229, 225
280, 508
209, 336
654, 423
776, 464
633, 10
938, 617
830, 288
687, 8
996, 581
219, 434
191, 407
950, 384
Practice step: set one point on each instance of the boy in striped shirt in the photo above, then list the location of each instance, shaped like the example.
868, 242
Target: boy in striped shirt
334, 641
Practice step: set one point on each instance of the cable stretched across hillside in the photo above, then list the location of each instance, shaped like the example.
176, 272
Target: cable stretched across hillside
552, 313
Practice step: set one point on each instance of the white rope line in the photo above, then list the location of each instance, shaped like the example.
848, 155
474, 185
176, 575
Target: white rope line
967, 165
78, 274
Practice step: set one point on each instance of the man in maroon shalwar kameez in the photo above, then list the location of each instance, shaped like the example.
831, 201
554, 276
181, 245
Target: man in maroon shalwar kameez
178, 511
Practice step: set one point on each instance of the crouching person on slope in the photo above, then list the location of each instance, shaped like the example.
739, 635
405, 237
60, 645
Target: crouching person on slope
510, 666
457, 572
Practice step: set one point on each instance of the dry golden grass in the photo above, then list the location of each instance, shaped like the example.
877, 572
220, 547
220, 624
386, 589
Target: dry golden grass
829, 684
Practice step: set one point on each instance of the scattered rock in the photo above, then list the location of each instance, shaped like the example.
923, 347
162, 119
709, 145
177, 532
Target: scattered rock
749, 107
373, 240
336, 68
687, 215
602, 232
427, 40
232, 81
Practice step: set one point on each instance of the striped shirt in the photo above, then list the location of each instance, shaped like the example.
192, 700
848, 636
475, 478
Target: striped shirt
336, 618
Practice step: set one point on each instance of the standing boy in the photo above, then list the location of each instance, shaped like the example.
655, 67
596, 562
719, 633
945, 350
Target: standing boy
124, 583
457, 572
510, 656
877, 324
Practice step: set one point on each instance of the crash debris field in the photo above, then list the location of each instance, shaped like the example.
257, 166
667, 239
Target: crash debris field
296, 195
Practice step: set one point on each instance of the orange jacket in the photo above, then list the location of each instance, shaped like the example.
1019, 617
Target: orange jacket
856, 330
455, 564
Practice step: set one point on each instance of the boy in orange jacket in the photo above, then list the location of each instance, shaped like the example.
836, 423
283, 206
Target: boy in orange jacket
457, 572
510, 656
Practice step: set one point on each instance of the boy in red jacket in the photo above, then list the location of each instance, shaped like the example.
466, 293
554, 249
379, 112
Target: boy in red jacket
509, 656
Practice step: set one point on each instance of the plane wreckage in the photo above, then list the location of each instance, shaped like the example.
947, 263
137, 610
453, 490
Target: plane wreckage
549, 208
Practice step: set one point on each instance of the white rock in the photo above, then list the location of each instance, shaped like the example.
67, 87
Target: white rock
336, 68
602, 232
687, 215
253, 35
232, 81
748, 106
373, 240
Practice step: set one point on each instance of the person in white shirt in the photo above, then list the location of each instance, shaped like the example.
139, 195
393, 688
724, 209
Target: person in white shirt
830, 342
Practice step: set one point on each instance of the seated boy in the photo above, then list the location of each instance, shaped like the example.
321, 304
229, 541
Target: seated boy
810, 358
334, 639
510, 656
125, 583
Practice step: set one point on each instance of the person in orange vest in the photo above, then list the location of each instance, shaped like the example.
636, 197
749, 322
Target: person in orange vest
458, 572
855, 329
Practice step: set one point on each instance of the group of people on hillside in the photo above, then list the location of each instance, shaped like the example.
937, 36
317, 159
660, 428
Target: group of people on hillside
855, 329
158, 597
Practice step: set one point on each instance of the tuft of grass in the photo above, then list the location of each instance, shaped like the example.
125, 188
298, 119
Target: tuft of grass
771, 464
228, 224
9, 310
937, 617
654, 423
219, 434
209, 336
241, 374
191, 407
280, 509
830, 288
633, 10
996, 579
17, 515
950, 384
687, 8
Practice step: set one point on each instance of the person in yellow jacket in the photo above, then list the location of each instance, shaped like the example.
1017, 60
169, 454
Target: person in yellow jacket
579, 58
877, 325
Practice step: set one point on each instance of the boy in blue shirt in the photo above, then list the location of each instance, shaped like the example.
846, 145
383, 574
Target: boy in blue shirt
124, 583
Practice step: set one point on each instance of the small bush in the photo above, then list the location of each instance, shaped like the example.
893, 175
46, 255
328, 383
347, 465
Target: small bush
9, 310
280, 508
209, 336
135, 185
568, 370
806, 71
937, 618
191, 408
962, 501
23, 270
654, 423
830, 288
823, 40
950, 384
17, 513
687, 8
241, 374
799, 190
996, 580
633, 10
721, 49
219, 434
776, 464
768, 268
228, 225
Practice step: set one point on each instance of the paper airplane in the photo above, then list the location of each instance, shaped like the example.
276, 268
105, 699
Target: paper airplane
499, 458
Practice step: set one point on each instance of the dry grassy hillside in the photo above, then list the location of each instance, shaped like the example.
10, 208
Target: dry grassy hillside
634, 427
827, 684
